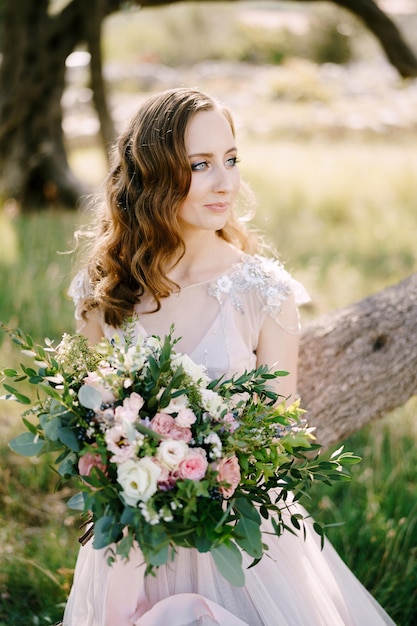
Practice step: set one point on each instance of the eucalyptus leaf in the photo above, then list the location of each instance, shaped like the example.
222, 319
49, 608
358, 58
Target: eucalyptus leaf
159, 557
90, 397
50, 426
76, 502
68, 438
27, 444
228, 560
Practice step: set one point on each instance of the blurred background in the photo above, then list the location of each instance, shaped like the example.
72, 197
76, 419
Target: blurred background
327, 129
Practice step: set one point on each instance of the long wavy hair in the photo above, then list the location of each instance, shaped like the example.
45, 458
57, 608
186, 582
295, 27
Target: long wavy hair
137, 235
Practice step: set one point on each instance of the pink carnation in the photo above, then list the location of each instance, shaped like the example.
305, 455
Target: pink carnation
193, 467
228, 472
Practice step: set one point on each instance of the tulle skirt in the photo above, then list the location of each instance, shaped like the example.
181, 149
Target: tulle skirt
295, 584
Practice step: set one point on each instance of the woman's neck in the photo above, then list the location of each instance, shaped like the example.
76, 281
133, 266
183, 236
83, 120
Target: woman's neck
205, 257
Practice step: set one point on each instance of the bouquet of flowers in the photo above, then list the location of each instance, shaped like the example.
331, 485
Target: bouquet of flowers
163, 456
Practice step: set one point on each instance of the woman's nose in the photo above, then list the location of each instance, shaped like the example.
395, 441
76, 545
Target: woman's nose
223, 181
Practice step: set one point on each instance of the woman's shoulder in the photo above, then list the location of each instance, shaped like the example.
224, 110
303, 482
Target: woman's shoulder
264, 277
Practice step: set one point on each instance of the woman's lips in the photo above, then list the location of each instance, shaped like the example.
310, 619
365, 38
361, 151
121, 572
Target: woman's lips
218, 207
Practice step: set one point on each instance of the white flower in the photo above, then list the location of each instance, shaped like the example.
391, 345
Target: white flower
171, 452
212, 403
152, 343
176, 404
138, 480
224, 283
196, 372
185, 418
216, 445
118, 442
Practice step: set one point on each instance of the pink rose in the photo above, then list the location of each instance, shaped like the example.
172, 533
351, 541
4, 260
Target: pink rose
180, 434
88, 461
228, 472
162, 423
193, 467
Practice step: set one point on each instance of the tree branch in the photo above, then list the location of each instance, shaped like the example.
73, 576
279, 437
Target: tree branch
360, 362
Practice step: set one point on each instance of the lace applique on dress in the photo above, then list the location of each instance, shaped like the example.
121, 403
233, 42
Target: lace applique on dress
267, 277
79, 290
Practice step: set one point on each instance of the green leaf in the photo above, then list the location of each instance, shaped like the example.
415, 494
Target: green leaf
10, 373
203, 543
106, 531
68, 438
250, 537
31, 428
50, 426
90, 397
50, 391
76, 502
66, 468
17, 395
27, 444
228, 560
245, 508
159, 557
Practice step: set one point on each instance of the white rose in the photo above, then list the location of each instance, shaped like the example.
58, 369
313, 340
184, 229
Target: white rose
138, 479
196, 372
171, 452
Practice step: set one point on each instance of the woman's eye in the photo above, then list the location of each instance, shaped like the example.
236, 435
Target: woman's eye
201, 165
232, 161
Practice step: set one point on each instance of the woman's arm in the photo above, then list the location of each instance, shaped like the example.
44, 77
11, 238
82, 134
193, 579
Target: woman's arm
278, 348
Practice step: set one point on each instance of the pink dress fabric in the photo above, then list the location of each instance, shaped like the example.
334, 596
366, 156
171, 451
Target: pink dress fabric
296, 583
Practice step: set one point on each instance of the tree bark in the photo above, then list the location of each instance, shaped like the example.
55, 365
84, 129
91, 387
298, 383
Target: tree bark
33, 162
360, 362
93, 28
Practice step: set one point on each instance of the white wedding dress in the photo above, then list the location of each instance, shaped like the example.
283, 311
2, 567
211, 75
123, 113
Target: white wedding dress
297, 583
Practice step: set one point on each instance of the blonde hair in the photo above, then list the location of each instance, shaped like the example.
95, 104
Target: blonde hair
137, 234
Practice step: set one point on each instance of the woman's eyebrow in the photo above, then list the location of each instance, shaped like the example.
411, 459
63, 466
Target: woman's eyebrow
210, 154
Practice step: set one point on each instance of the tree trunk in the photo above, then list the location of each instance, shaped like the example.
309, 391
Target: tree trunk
93, 29
360, 362
33, 162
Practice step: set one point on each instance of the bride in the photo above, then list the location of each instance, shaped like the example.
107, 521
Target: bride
169, 248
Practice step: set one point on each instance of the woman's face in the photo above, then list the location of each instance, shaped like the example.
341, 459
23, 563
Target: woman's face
215, 178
